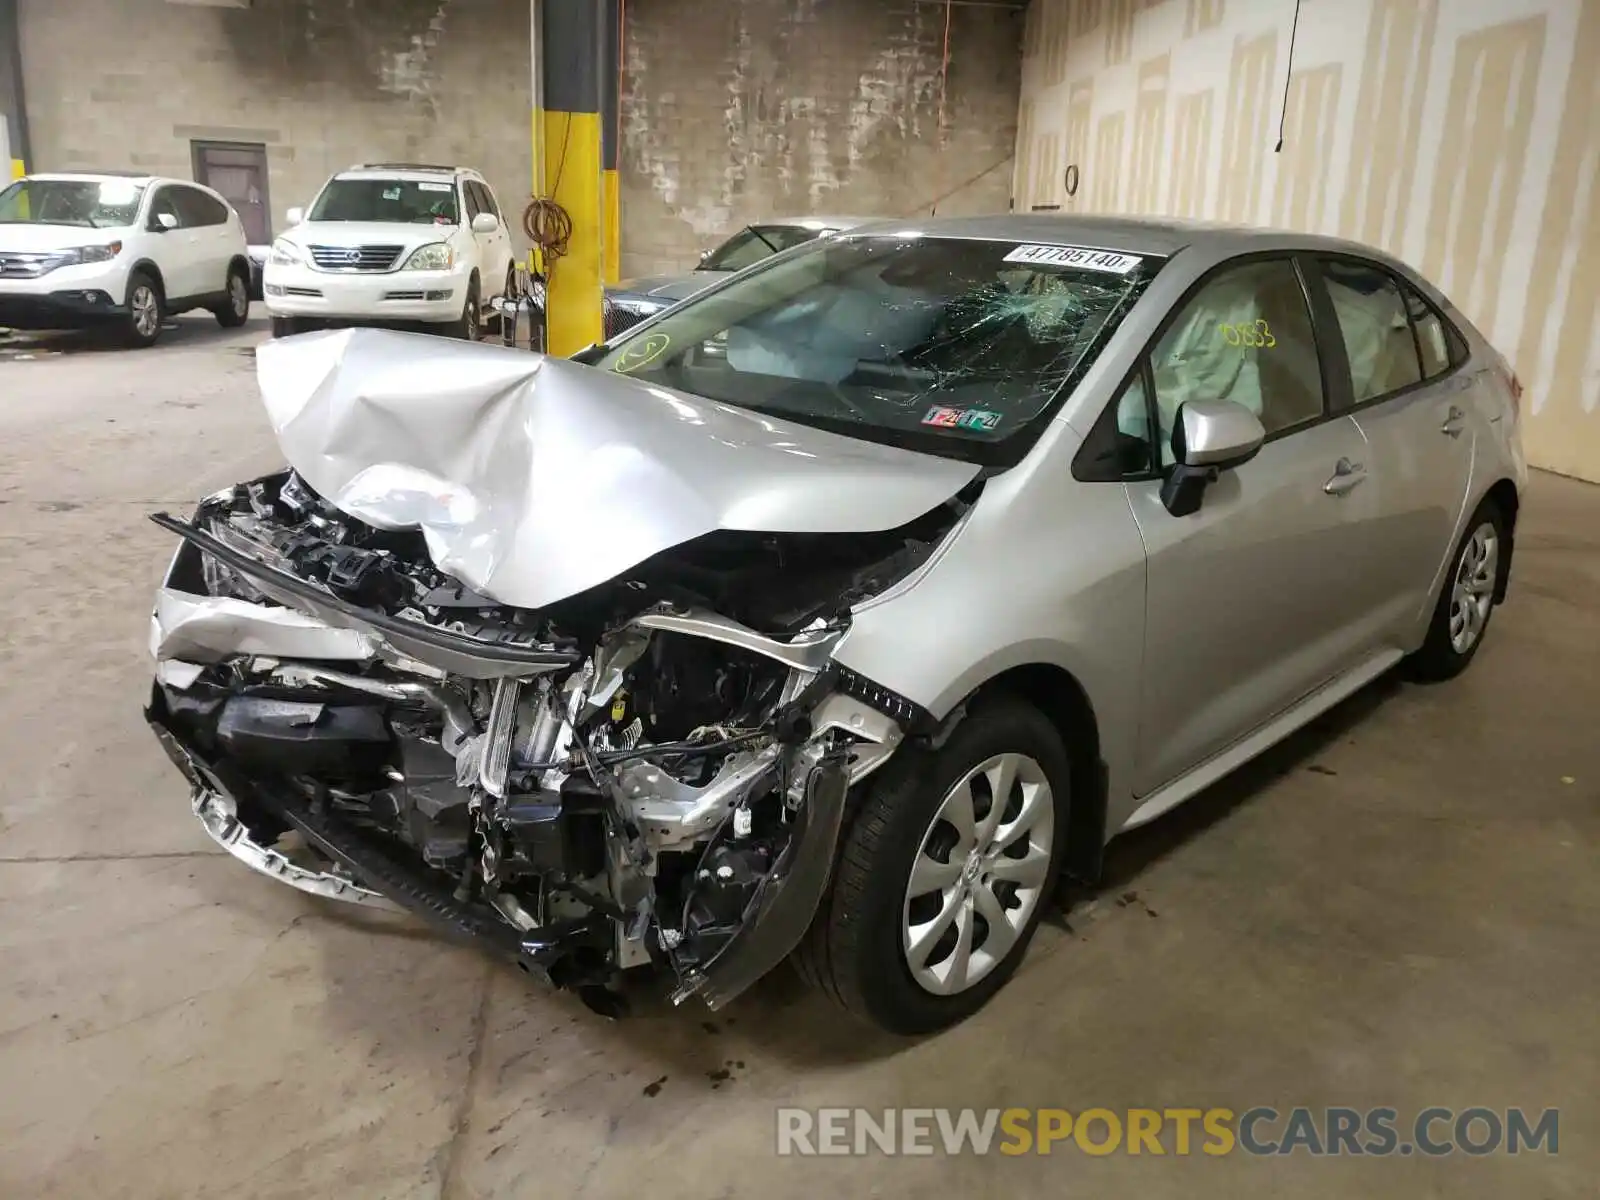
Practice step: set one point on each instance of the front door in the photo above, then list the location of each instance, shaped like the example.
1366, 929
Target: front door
495, 247
1258, 598
238, 170
1415, 404
179, 253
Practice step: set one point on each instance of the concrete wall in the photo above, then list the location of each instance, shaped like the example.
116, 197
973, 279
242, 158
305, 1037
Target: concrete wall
747, 108
733, 109
323, 83
1461, 135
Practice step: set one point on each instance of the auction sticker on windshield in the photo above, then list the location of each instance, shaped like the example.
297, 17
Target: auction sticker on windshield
1076, 256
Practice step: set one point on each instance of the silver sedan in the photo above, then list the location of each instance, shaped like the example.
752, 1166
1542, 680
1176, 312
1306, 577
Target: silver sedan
841, 609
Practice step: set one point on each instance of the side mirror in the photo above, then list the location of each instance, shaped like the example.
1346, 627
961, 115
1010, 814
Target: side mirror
704, 256
1210, 436
163, 222
296, 215
485, 223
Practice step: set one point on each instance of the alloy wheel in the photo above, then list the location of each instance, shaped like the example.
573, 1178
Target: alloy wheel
978, 874
1472, 589
146, 310
238, 295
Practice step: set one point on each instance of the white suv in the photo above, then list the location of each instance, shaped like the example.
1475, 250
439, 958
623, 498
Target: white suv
391, 242
101, 250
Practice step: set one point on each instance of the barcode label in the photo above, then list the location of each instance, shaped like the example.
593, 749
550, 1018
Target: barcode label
1076, 256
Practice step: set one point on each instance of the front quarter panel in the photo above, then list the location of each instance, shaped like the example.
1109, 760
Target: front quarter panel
1045, 570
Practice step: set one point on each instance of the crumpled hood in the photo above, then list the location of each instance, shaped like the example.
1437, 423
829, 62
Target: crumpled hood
668, 287
534, 478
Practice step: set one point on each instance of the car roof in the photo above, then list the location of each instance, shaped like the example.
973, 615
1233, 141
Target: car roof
1154, 236
102, 176
405, 170
814, 222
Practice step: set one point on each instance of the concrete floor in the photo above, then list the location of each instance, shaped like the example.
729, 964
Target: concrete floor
1397, 909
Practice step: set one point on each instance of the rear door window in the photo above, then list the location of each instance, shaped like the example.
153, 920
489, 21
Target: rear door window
1376, 327
198, 209
1438, 342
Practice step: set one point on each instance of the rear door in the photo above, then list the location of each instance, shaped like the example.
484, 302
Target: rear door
1258, 598
1410, 393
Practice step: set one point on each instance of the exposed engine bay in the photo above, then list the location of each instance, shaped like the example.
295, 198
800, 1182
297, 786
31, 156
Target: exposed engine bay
650, 772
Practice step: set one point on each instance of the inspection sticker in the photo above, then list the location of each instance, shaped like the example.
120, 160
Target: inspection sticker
961, 418
433, 187
1076, 256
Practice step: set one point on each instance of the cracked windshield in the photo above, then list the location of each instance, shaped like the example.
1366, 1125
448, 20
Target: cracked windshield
939, 344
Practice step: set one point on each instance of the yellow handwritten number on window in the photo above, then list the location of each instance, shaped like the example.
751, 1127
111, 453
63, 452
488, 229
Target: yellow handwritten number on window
1255, 336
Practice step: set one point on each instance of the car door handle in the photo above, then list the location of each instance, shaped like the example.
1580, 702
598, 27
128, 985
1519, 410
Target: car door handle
1347, 476
1454, 422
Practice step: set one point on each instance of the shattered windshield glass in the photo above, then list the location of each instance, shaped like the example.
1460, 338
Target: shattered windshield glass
946, 345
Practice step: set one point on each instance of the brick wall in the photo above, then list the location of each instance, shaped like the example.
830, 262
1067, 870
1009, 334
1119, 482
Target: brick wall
732, 110
747, 108
323, 83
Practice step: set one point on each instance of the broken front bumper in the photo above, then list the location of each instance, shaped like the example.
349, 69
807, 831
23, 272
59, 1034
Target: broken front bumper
217, 816
564, 954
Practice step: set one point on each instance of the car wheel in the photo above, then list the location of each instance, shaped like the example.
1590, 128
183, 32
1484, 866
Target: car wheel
236, 311
468, 325
944, 874
1466, 602
508, 314
146, 311
283, 327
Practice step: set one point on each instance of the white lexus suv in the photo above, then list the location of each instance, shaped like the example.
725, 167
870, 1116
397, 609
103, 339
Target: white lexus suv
120, 252
391, 243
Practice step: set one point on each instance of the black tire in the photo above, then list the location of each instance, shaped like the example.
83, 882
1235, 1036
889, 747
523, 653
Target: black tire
1441, 656
147, 311
469, 325
236, 310
854, 950
508, 315
283, 327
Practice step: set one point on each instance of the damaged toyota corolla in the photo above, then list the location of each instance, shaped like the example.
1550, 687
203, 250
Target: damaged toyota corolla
833, 613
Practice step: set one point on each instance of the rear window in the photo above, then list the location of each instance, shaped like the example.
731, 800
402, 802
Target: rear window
950, 346
749, 246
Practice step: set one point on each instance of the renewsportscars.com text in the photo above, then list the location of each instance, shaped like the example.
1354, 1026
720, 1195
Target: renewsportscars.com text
1318, 1132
